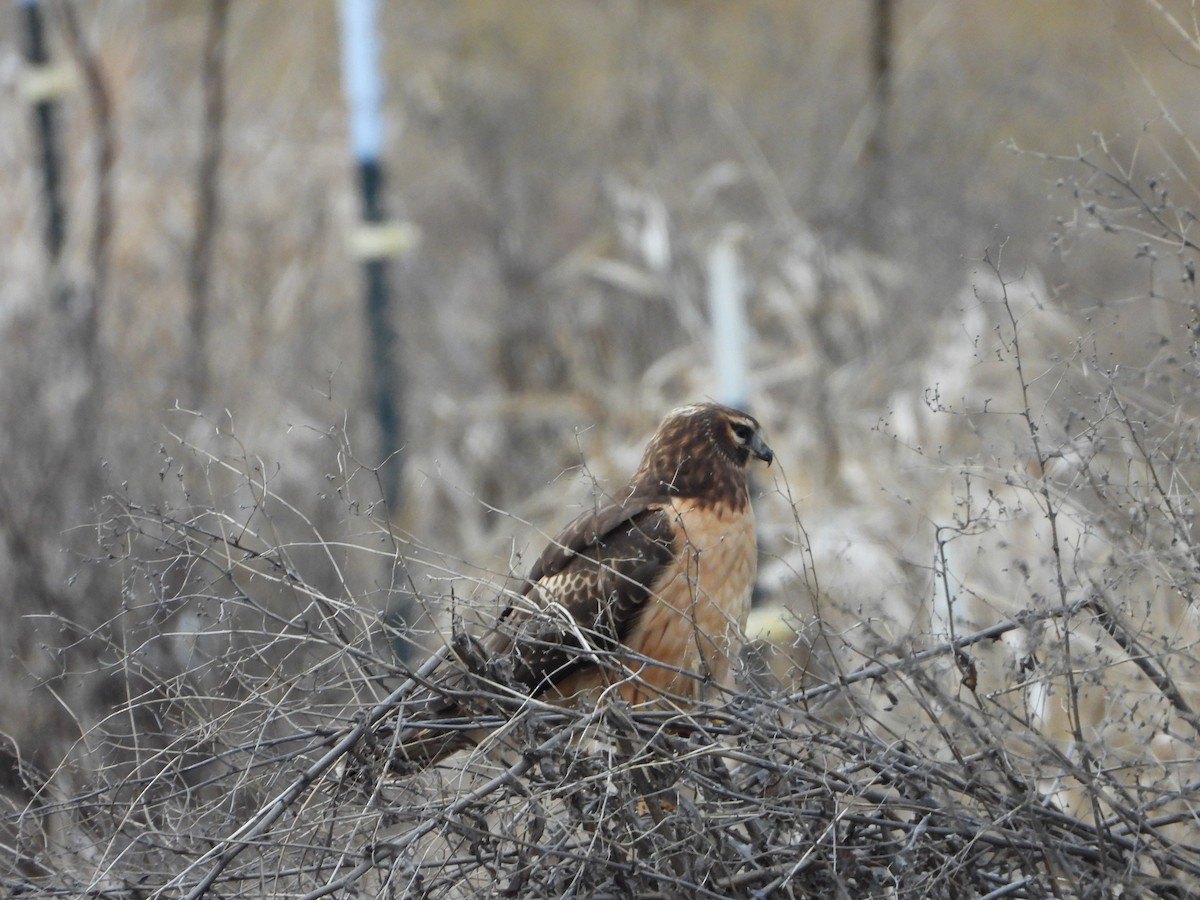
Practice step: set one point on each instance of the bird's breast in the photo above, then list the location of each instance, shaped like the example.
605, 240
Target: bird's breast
697, 611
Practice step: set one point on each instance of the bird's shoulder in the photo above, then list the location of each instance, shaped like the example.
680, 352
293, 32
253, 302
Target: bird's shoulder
633, 526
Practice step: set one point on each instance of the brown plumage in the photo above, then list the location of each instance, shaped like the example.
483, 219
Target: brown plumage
644, 596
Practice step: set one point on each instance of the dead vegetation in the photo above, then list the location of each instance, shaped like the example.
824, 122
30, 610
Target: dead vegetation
973, 667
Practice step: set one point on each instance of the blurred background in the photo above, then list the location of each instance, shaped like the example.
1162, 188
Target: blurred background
562, 177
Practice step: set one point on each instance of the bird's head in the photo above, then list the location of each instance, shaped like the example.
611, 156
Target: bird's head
739, 436
703, 448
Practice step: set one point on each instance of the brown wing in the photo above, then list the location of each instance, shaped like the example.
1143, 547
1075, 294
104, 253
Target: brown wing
586, 531
591, 583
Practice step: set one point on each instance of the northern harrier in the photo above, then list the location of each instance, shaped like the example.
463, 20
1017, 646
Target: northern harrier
644, 596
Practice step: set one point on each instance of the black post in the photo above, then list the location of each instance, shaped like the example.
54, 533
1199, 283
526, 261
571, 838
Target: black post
385, 384
38, 58
364, 95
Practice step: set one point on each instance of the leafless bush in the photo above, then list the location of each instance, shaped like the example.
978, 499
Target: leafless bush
980, 681
246, 748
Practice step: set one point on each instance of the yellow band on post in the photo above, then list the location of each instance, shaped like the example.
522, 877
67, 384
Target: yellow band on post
376, 240
39, 84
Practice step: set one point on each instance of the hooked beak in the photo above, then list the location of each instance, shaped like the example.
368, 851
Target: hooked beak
760, 449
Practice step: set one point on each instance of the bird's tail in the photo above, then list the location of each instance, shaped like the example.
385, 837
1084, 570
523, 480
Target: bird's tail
451, 698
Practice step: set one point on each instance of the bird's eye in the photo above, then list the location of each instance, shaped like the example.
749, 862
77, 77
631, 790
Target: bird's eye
742, 432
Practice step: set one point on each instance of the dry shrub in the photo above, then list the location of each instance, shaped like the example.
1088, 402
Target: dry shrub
1031, 734
973, 662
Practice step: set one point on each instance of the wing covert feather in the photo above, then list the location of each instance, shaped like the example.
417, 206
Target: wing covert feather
600, 571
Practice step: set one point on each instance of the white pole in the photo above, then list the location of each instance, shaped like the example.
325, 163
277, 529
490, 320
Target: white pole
727, 304
360, 78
